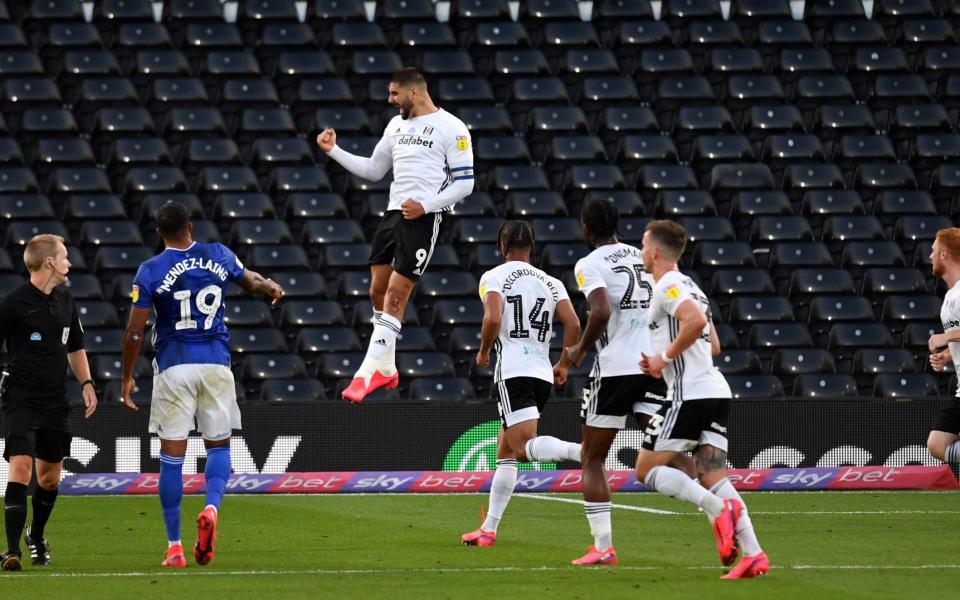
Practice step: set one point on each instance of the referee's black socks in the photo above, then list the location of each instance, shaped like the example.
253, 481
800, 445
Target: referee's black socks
42, 507
15, 512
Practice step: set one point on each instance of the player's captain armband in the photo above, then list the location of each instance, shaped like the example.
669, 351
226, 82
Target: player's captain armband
135, 292
463, 142
580, 279
673, 292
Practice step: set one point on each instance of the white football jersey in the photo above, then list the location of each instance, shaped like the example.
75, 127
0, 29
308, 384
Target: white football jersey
530, 298
950, 318
619, 268
691, 375
428, 153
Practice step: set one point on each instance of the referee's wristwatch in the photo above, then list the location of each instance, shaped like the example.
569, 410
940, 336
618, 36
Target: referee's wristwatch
92, 384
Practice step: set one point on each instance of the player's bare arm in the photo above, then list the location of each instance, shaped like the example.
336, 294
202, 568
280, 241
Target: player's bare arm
255, 283
938, 341
714, 340
571, 332
490, 328
939, 360
597, 319
692, 321
132, 345
81, 370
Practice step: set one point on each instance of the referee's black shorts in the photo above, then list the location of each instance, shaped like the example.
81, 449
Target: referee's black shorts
44, 434
405, 245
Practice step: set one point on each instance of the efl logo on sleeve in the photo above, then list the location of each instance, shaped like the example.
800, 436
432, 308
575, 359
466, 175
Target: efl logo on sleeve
463, 142
580, 280
483, 289
135, 293
673, 292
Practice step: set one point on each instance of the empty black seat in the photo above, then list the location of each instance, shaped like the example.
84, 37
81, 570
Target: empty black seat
734, 362
755, 386
292, 391
260, 340
828, 386
904, 386
275, 257
442, 389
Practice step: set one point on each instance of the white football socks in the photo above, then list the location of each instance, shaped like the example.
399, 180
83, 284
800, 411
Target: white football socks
598, 515
384, 336
546, 447
676, 484
951, 454
745, 533
388, 363
501, 489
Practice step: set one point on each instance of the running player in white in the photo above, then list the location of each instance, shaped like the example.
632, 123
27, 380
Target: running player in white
430, 153
618, 291
519, 303
943, 443
696, 417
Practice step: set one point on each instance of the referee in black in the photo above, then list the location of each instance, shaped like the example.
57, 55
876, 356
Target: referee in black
40, 325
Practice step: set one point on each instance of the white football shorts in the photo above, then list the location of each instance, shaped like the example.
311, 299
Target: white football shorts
188, 397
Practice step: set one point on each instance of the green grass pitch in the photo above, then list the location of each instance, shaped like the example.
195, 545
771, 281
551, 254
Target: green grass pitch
821, 545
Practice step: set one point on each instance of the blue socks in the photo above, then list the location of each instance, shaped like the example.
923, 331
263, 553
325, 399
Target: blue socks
171, 493
217, 473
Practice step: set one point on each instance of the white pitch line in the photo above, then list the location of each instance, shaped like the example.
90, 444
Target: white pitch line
656, 511
207, 573
659, 511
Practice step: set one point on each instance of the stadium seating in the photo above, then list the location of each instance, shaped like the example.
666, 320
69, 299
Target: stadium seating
812, 162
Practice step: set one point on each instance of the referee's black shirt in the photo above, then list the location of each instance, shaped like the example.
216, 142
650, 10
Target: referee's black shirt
39, 330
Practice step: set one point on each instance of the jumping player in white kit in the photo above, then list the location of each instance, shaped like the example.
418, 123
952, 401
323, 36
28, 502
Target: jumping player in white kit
430, 153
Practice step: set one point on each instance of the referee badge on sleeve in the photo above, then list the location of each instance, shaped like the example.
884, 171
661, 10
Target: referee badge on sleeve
463, 142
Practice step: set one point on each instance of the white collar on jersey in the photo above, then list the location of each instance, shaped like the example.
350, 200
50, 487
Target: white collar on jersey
194, 243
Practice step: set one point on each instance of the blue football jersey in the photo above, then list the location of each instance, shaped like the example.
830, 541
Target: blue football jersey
187, 288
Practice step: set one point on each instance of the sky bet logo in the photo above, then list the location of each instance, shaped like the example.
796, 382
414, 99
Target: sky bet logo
413, 140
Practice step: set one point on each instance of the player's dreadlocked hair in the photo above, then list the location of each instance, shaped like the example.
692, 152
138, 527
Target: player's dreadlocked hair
172, 219
600, 217
515, 235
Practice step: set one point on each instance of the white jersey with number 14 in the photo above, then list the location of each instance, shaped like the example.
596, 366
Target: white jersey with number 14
529, 299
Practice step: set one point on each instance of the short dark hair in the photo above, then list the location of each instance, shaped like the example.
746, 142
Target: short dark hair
515, 235
670, 237
408, 76
172, 219
601, 218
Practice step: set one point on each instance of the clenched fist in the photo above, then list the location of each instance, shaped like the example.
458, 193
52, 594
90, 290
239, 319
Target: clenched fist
327, 139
